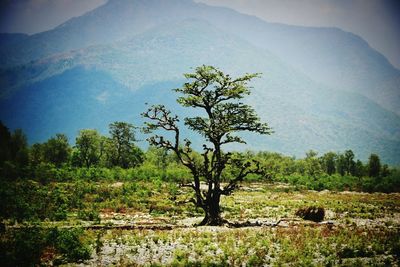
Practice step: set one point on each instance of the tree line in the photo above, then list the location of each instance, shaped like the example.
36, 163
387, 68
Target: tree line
119, 149
91, 150
330, 163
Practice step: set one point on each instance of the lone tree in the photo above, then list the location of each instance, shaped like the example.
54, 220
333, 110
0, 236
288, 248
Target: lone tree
218, 95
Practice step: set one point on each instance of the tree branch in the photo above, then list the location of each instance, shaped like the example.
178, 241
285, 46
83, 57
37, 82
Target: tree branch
249, 167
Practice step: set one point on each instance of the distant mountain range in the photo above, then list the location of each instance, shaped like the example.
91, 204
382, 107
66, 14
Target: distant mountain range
321, 88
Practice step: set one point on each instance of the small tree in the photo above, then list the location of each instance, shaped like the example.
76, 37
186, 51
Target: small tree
359, 169
374, 165
89, 144
121, 147
385, 170
349, 162
14, 153
19, 148
217, 95
56, 150
312, 164
328, 161
341, 164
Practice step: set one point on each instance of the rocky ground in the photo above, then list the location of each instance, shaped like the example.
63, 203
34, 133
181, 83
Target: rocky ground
358, 229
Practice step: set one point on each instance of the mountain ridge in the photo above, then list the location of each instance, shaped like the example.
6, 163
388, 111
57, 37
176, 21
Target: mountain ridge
80, 76
346, 65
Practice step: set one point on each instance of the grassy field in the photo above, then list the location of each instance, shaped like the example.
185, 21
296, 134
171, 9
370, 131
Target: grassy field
153, 224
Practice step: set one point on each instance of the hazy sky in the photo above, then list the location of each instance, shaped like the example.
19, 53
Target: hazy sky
377, 21
32, 16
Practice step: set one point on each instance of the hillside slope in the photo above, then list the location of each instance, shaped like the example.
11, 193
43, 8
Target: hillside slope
94, 86
330, 56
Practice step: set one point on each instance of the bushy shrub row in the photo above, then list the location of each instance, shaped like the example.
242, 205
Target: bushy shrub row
388, 184
32, 201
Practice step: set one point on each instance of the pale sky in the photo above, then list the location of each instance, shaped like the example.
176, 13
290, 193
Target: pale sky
377, 21
33, 16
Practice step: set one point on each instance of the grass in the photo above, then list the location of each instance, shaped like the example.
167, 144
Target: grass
364, 228
295, 245
276, 203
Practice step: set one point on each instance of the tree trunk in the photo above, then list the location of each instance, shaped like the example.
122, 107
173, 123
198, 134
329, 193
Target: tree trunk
213, 212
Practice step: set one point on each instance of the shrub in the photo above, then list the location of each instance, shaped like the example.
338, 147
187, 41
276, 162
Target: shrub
69, 243
89, 215
315, 214
22, 247
27, 246
45, 173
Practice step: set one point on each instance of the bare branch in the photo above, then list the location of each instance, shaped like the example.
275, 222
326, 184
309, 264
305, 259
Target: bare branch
246, 168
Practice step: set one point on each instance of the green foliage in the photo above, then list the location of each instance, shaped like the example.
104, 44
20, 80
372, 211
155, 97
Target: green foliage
45, 172
120, 148
374, 165
56, 150
328, 162
31, 201
359, 169
14, 155
70, 244
313, 172
90, 148
349, 162
23, 247
28, 246
159, 157
19, 148
90, 214
9, 170
312, 166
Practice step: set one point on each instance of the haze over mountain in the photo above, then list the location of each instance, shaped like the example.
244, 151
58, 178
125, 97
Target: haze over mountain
321, 88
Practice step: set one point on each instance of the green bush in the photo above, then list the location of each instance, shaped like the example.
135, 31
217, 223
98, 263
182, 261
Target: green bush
70, 244
26, 246
45, 173
22, 247
89, 215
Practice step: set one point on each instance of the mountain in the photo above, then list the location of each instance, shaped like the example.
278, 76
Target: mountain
8, 39
104, 78
116, 20
348, 61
